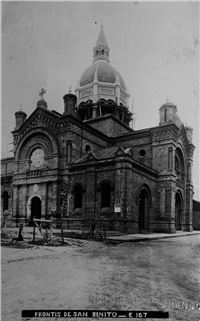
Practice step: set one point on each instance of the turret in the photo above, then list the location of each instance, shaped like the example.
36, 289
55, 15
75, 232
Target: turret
167, 113
70, 104
20, 117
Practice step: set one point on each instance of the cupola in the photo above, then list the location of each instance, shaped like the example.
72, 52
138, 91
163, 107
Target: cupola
167, 113
70, 103
20, 118
101, 89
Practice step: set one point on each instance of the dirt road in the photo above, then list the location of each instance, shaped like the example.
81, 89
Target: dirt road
161, 275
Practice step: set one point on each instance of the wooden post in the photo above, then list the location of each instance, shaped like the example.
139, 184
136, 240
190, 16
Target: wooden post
51, 227
46, 233
20, 231
83, 233
61, 227
5, 223
93, 229
100, 227
104, 231
33, 231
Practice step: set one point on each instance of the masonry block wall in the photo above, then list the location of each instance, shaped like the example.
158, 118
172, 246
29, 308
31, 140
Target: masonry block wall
109, 125
74, 144
140, 144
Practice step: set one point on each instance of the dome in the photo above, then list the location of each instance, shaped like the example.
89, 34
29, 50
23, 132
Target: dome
105, 73
168, 104
101, 90
178, 121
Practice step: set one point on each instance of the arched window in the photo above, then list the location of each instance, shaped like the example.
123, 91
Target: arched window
69, 152
165, 117
87, 148
105, 194
78, 196
177, 166
5, 201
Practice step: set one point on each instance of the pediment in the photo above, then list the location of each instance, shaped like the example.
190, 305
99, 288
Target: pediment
120, 151
129, 151
39, 118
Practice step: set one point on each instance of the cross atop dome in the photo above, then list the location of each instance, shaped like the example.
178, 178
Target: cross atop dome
42, 93
101, 49
42, 102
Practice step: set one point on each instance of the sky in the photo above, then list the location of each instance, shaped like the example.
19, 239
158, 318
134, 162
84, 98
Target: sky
153, 45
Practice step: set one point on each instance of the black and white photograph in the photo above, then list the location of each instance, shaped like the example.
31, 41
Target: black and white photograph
100, 150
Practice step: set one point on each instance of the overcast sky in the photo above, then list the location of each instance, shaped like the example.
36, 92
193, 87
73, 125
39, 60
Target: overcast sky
153, 45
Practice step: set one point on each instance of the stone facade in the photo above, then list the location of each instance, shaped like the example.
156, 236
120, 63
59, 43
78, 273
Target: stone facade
88, 164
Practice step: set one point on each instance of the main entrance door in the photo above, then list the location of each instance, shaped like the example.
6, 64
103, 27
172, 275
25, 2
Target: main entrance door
35, 208
143, 210
178, 212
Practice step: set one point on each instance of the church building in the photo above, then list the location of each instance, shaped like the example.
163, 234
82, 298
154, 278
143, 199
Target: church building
89, 164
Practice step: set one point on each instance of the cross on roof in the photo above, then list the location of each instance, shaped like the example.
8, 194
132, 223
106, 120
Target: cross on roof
42, 92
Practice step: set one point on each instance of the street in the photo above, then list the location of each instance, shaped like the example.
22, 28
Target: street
159, 275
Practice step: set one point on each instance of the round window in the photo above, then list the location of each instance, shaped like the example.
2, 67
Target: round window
37, 157
142, 153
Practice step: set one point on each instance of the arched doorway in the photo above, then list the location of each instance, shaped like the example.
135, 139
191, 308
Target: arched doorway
35, 208
143, 210
178, 211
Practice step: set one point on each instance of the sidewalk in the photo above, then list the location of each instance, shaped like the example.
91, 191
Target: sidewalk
28, 232
149, 237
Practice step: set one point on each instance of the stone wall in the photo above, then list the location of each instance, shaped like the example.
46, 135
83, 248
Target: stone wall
109, 125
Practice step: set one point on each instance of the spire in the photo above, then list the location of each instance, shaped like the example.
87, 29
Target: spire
101, 41
101, 49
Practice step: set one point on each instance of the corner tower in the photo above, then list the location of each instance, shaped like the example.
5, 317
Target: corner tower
101, 89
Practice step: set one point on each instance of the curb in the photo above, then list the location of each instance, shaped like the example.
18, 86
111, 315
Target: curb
150, 238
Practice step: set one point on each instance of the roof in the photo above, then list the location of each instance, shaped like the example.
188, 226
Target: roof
105, 73
168, 104
111, 153
101, 71
101, 41
99, 154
